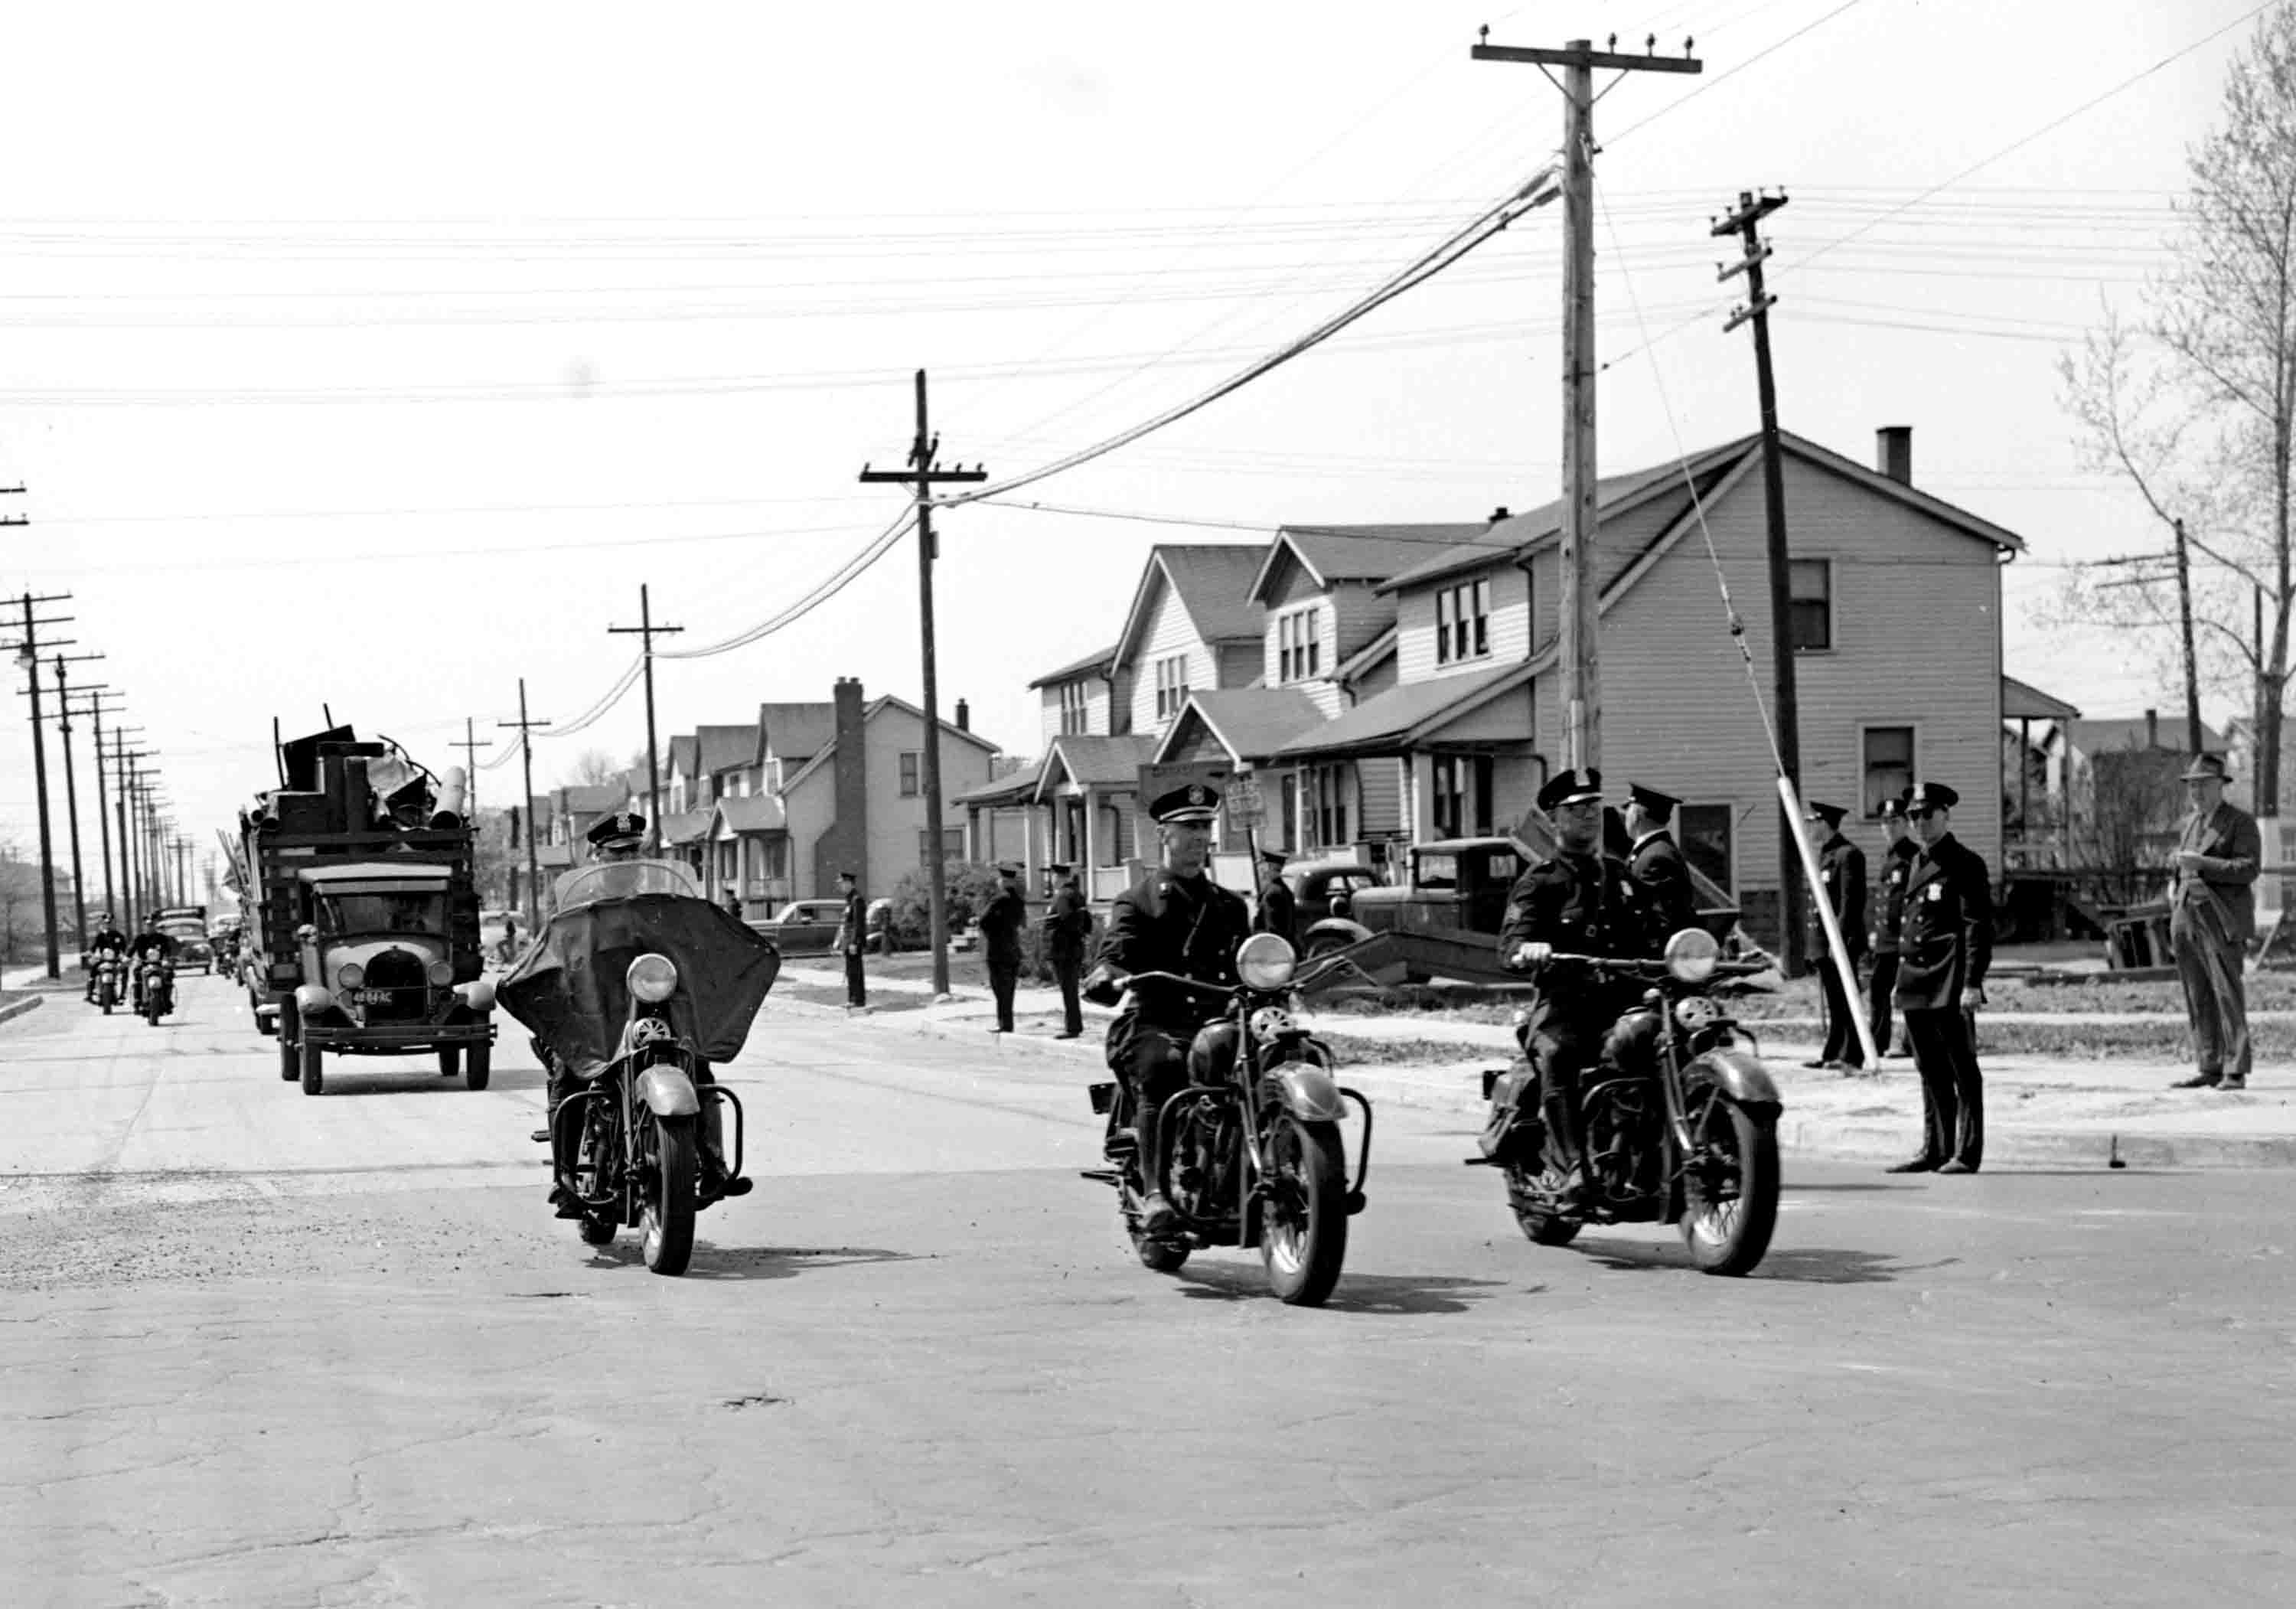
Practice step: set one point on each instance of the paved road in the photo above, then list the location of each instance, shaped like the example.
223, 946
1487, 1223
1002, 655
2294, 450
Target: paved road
260, 1349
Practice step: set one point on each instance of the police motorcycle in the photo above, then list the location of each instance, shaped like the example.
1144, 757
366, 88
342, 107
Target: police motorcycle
634, 990
1678, 1115
1254, 1150
107, 978
155, 987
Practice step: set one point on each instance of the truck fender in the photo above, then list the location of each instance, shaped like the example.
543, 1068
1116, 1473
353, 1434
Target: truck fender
1332, 932
1737, 1073
1305, 1089
667, 1092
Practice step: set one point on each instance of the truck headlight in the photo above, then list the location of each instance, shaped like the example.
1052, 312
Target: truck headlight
351, 976
479, 996
653, 979
440, 973
1264, 962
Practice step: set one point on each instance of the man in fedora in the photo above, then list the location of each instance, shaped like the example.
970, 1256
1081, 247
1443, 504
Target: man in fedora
2211, 918
1944, 951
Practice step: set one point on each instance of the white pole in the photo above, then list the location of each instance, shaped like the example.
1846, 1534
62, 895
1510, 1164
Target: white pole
1825, 908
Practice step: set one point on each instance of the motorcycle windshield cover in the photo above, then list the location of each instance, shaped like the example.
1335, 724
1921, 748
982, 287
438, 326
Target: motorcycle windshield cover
570, 988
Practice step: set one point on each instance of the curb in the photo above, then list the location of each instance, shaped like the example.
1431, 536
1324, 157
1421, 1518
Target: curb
17, 1008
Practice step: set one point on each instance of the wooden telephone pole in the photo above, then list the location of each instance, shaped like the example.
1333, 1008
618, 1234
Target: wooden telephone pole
646, 628
28, 656
526, 760
1747, 222
922, 475
1578, 637
71, 795
96, 712
470, 746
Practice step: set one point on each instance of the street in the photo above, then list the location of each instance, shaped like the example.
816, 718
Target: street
268, 1349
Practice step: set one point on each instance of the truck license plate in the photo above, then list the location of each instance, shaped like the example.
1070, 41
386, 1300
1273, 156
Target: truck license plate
374, 996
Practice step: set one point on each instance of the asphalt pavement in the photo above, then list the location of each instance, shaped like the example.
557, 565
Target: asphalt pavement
257, 1348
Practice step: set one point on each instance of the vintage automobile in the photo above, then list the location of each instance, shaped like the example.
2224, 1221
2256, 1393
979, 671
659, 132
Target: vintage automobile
188, 927
1327, 888
804, 924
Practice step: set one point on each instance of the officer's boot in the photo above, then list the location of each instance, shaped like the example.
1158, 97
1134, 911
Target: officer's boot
1560, 1107
1157, 1217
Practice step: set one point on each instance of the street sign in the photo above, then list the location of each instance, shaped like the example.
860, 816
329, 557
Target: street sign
1245, 807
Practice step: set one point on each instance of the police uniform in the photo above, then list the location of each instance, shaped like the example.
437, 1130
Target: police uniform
1000, 935
1897, 870
1842, 883
1580, 904
1656, 864
1278, 912
1943, 951
1066, 924
852, 939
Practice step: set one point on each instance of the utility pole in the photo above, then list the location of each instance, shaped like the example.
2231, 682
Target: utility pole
922, 475
2192, 740
1746, 223
1578, 640
72, 796
646, 628
526, 760
124, 776
28, 655
470, 746
95, 712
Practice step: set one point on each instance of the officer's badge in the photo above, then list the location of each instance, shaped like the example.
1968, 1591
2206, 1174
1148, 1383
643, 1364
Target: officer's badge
1196, 793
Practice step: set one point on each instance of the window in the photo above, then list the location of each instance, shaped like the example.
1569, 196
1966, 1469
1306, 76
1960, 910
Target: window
909, 760
1810, 609
1299, 646
1889, 762
1462, 621
1705, 831
1328, 787
1076, 709
1171, 686
952, 844
1462, 795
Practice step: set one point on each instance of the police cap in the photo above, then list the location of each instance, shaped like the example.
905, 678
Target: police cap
1660, 805
1194, 803
1569, 787
1930, 796
1829, 814
616, 828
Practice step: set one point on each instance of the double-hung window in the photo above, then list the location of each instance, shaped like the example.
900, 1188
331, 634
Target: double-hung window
1462, 621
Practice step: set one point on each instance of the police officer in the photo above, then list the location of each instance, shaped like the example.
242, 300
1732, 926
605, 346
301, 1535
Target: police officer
149, 944
1842, 883
1175, 920
107, 937
852, 936
1066, 924
1944, 949
1000, 938
1656, 862
1278, 912
1577, 901
1897, 869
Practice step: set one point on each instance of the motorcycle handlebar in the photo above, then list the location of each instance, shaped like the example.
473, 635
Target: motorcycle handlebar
1643, 966
1132, 979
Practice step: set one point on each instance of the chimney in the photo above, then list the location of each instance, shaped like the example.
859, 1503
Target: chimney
964, 715
1893, 452
2152, 728
1499, 514
844, 844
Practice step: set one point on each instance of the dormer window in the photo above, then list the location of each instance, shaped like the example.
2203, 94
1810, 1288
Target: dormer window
1463, 622
1299, 646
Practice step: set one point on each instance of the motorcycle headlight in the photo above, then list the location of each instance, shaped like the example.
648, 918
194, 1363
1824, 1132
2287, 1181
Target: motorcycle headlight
440, 973
1264, 962
1690, 954
350, 976
653, 979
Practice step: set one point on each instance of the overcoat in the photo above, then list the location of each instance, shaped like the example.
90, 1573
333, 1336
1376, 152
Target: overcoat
1947, 943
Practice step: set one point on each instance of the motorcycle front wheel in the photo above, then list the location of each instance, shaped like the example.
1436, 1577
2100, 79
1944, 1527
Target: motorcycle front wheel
671, 1173
1303, 1234
1730, 1209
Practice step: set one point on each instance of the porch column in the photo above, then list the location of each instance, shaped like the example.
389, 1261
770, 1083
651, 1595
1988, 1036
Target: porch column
1091, 835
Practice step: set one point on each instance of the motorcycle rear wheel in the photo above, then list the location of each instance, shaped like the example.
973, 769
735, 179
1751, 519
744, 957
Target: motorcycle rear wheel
1303, 1234
666, 1220
1730, 1236
1529, 1193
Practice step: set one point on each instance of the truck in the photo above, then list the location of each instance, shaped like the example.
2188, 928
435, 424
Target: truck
358, 890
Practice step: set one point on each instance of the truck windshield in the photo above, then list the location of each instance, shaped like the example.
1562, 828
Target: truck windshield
417, 911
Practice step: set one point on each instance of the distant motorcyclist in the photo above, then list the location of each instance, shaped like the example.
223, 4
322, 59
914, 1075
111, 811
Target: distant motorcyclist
1579, 901
150, 944
1175, 920
106, 940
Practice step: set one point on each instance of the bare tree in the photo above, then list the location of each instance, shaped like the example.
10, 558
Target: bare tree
2194, 401
596, 766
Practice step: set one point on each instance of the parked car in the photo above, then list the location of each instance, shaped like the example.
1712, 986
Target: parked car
1328, 888
804, 924
193, 945
882, 938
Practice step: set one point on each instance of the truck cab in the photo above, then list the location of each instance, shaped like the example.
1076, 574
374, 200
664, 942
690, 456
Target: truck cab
1441, 919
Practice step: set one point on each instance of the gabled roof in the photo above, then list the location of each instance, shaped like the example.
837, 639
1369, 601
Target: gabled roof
1251, 723
594, 798
755, 813
686, 826
1407, 716
679, 760
1094, 761
795, 731
1365, 658
2022, 701
1333, 554
828, 750
725, 747
1014, 787
1096, 663
2160, 734
1213, 581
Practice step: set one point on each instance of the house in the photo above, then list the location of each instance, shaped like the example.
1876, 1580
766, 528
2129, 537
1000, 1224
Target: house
1882, 574
574, 810
1193, 625
1002, 822
2125, 797
2034, 827
1081, 697
1088, 789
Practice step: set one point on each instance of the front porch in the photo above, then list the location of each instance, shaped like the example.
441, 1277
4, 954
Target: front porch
1089, 788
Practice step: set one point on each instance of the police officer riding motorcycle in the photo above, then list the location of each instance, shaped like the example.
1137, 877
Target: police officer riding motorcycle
106, 942
151, 945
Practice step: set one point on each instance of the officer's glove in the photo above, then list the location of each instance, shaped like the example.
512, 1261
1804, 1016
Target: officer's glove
1530, 956
1101, 986
1973, 999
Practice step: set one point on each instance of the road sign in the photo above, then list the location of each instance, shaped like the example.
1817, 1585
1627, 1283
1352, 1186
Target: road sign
1245, 807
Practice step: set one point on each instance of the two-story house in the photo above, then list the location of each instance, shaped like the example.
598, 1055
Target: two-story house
1895, 616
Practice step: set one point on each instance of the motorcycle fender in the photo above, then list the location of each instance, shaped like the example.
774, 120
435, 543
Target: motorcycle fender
1738, 1074
1309, 1092
667, 1092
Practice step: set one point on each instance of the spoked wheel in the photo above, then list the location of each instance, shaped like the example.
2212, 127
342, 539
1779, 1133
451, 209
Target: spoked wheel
597, 1144
1730, 1203
1161, 1256
1303, 1236
1532, 1194
670, 1167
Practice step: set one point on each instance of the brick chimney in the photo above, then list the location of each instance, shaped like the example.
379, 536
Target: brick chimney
1893, 452
844, 845
964, 715
1499, 514
2152, 728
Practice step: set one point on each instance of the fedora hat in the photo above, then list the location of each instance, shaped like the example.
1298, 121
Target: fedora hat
2207, 767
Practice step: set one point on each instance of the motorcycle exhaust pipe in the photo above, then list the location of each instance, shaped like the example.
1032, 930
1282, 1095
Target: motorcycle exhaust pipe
452, 790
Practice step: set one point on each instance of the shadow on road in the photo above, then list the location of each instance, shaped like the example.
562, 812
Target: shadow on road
1394, 1295
411, 1081
750, 1262
1804, 1265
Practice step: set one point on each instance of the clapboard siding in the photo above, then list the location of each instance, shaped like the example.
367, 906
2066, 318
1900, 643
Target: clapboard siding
1677, 709
1359, 614
1170, 632
1239, 665
1379, 786
1510, 625
1095, 706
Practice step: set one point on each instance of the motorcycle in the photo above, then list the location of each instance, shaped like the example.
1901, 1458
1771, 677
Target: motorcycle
1686, 1136
155, 990
104, 975
641, 956
1254, 1155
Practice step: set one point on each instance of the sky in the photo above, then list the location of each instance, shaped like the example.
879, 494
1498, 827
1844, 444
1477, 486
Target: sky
371, 365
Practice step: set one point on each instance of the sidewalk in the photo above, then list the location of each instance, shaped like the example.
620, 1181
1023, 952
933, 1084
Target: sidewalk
2039, 1112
